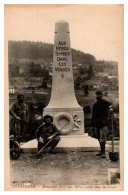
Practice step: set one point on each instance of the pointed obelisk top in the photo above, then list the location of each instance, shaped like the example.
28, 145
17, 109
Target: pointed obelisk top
63, 94
61, 21
62, 27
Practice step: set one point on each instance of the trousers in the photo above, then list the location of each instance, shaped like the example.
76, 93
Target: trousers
18, 127
101, 133
52, 144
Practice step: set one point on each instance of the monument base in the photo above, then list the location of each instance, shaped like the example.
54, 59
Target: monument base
68, 143
73, 117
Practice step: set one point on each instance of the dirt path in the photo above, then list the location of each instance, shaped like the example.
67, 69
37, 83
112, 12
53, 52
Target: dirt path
71, 168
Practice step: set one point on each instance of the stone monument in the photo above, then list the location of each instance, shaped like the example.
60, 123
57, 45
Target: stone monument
67, 113
63, 105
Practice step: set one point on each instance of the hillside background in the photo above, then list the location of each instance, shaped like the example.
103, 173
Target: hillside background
30, 72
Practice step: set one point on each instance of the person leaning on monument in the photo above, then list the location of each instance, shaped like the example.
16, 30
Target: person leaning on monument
46, 132
19, 113
100, 121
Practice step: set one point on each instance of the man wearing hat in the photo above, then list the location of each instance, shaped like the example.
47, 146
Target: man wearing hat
46, 132
19, 113
100, 121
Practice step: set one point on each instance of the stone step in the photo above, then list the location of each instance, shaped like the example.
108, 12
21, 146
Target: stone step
76, 142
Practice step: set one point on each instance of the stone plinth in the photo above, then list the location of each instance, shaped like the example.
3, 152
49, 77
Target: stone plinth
67, 143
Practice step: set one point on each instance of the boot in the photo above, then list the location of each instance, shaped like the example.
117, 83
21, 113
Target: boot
40, 145
52, 152
100, 153
103, 150
53, 144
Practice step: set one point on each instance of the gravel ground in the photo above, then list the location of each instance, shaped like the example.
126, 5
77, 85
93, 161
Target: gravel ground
67, 168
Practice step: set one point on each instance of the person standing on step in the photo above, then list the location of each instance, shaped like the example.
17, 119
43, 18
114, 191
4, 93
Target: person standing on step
46, 132
100, 121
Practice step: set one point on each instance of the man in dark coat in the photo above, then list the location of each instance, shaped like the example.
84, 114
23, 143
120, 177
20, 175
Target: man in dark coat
100, 121
19, 113
46, 132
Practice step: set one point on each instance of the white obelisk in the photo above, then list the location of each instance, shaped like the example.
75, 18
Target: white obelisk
63, 97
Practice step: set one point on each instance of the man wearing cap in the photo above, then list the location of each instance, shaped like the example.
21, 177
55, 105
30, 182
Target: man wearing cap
46, 132
19, 113
100, 121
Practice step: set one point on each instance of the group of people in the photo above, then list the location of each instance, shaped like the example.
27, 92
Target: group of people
48, 131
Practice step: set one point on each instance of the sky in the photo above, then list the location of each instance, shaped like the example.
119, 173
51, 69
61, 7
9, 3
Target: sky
94, 29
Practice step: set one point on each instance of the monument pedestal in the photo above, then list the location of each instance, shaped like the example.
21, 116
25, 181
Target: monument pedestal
70, 120
68, 143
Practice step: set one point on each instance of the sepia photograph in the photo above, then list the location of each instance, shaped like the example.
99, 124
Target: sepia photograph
64, 66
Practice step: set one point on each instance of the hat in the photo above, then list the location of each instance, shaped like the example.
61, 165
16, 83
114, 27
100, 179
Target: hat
47, 116
20, 95
99, 92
